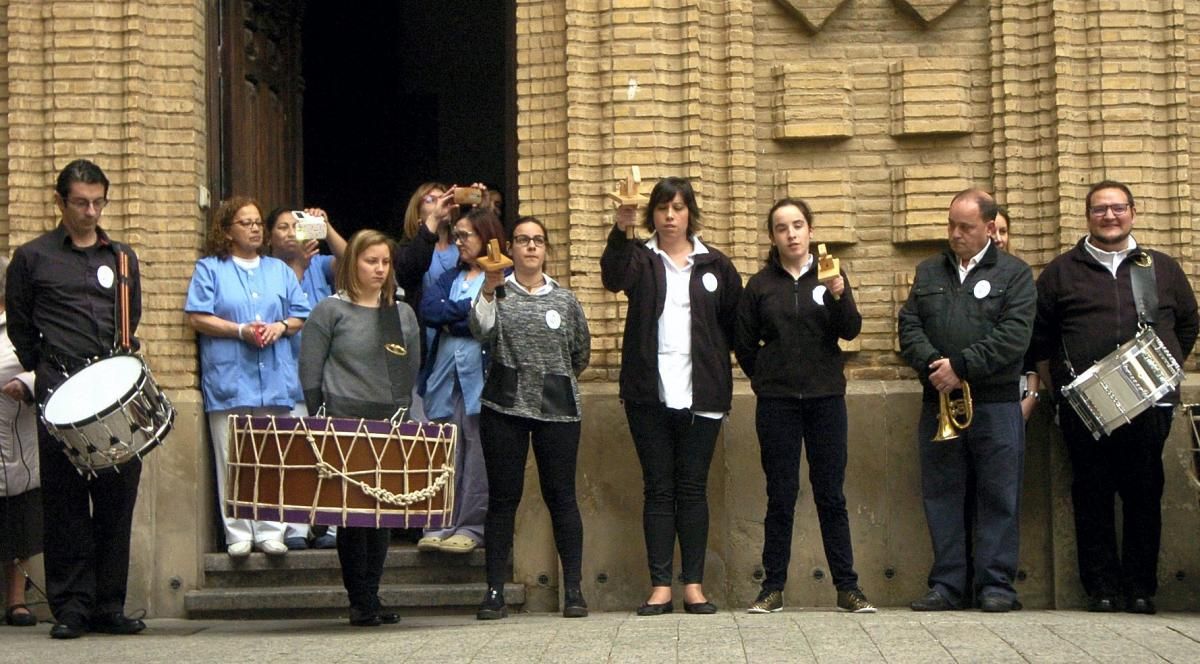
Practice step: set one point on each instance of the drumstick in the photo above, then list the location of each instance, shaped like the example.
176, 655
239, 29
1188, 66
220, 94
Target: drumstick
123, 268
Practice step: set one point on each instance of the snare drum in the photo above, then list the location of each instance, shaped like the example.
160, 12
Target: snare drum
100, 432
1124, 384
341, 471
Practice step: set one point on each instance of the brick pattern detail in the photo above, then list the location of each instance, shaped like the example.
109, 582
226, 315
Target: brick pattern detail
813, 13
920, 199
927, 11
824, 189
121, 83
812, 101
930, 96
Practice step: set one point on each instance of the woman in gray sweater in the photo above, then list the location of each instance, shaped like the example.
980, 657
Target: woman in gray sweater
539, 344
346, 359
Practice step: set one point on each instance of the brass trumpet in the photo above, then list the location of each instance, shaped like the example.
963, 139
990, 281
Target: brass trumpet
954, 415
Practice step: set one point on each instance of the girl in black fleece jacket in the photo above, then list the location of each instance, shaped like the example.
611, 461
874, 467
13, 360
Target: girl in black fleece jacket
786, 340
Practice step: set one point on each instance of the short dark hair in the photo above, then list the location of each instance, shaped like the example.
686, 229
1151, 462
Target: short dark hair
983, 200
664, 192
1107, 184
80, 170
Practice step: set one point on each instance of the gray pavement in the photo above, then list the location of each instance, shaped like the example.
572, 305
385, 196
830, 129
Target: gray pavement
792, 636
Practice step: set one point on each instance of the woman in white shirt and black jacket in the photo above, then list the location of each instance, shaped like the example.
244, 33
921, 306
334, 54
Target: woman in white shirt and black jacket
788, 326
676, 376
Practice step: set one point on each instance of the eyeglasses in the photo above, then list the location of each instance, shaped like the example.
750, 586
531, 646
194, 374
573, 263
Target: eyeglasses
1118, 209
249, 223
82, 204
463, 236
524, 240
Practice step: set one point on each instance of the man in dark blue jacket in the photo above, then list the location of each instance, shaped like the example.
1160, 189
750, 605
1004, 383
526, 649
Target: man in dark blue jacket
968, 320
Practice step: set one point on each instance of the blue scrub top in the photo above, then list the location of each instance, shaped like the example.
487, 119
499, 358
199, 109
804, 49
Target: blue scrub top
234, 374
457, 365
317, 284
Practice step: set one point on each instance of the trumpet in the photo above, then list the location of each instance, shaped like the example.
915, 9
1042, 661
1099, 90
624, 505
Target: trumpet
954, 415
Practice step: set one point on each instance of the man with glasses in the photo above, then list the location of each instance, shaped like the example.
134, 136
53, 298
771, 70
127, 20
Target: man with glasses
61, 312
1086, 308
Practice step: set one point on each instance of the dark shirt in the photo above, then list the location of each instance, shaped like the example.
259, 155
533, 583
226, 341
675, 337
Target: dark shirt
60, 313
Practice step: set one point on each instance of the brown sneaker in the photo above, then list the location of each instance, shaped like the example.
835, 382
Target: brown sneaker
769, 601
854, 601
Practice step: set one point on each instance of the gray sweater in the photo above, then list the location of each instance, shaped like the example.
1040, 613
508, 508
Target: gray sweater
343, 363
540, 343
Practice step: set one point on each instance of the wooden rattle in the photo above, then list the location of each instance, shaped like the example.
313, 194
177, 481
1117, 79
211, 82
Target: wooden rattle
627, 194
494, 261
828, 267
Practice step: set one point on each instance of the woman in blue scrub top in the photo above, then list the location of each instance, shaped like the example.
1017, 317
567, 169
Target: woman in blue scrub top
242, 305
452, 380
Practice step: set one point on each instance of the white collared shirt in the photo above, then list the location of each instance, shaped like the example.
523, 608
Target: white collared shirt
964, 271
485, 312
1110, 259
675, 331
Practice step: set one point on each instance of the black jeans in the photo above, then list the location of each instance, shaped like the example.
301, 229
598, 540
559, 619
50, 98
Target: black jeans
1129, 464
362, 552
86, 534
819, 426
675, 448
505, 447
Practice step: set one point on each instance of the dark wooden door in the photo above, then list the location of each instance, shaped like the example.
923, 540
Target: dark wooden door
257, 148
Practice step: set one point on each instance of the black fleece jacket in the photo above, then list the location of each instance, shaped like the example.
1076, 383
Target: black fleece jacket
1081, 305
983, 325
629, 266
787, 334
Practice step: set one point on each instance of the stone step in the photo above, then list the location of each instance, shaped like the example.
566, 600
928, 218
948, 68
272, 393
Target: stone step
330, 601
404, 565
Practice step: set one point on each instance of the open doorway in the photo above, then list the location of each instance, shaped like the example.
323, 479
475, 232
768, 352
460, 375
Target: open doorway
398, 93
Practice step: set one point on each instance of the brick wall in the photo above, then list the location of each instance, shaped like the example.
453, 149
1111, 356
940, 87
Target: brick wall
121, 83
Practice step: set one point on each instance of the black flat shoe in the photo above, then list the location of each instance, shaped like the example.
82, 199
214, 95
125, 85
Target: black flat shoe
700, 608
67, 631
116, 623
492, 607
997, 603
649, 609
26, 619
573, 604
1102, 604
1143, 605
389, 618
932, 601
364, 618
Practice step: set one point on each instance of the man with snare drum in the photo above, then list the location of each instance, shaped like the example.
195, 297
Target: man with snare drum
1091, 299
62, 311
964, 330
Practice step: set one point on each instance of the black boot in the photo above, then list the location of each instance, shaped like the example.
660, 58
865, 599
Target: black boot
573, 604
493, 607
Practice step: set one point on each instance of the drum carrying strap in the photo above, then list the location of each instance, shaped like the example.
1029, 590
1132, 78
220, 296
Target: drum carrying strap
395, 352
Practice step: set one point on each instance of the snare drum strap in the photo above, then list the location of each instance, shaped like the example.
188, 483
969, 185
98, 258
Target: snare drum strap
396, 353
1145, 288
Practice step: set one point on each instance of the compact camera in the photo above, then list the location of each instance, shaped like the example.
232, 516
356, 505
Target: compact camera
308, 227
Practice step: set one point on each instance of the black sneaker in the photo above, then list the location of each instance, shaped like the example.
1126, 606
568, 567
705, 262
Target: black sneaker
493, 607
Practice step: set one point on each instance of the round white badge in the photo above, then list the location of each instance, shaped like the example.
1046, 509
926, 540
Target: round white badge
982, 288
710, 282
104, 275
819, 294
553, 319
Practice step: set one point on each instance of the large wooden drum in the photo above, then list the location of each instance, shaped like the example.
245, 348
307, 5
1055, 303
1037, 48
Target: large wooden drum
341, 472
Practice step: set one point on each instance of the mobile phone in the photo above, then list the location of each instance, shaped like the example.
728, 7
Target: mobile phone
308, 227
468, 195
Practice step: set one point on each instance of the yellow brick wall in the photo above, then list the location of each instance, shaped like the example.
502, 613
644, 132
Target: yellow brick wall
121, 83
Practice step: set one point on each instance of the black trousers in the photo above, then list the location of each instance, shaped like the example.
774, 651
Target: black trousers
361, 552
506, 440
1129, 464
675, 448
819, 426
87, 524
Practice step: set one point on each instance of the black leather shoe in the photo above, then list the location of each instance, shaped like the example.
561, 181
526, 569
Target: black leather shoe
116, 623
700, 608
364, 617
649, 609
389, 618
1144, 605
67, 631
492, 607
1102, 604
23, 619
573, 604
932, 601
997, 603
